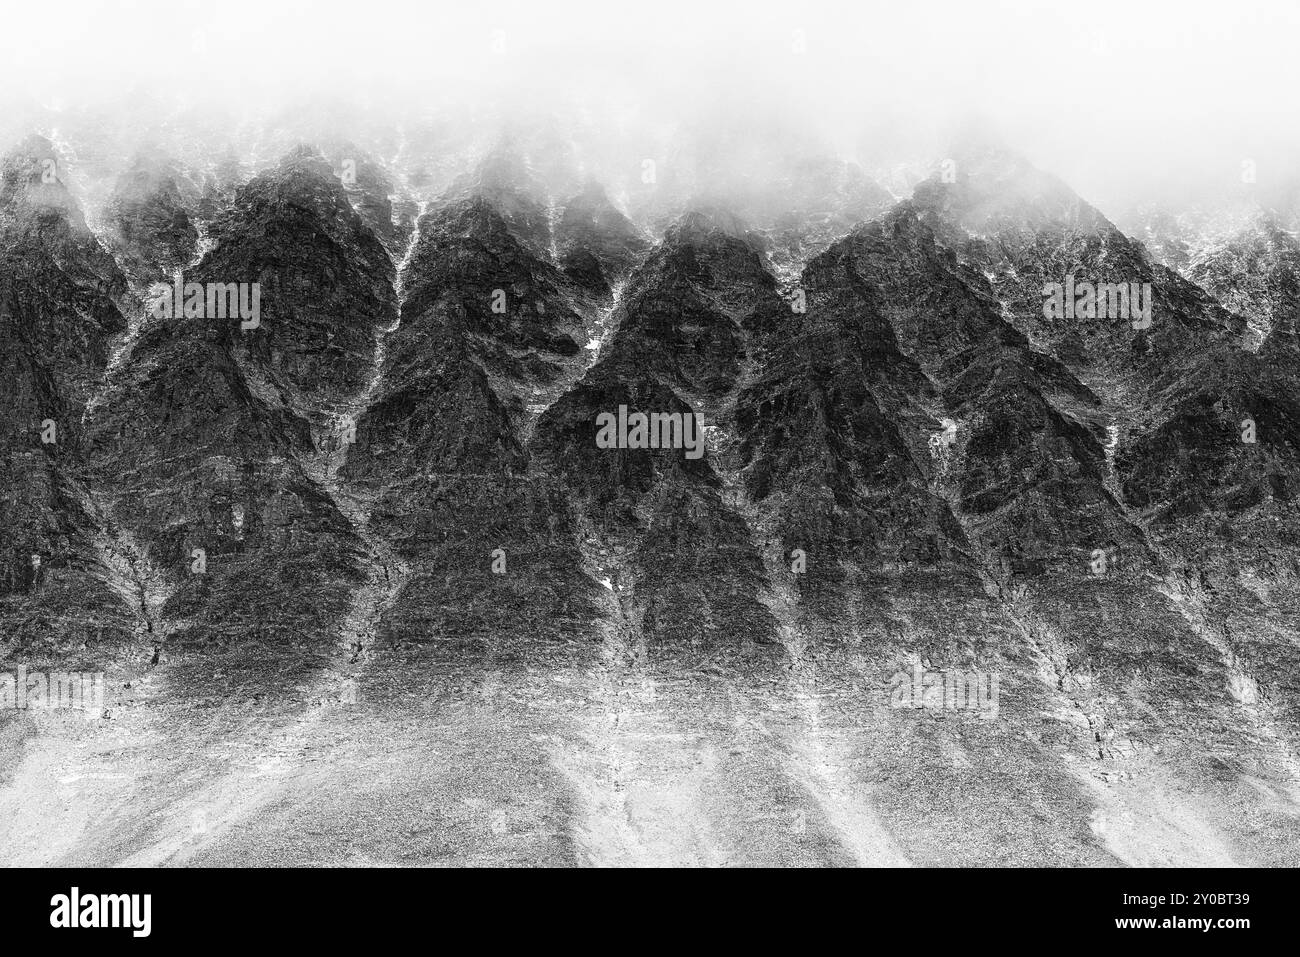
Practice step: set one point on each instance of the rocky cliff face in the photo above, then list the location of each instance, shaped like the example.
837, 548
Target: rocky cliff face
151, 221
669, 535
209, 441
1193, 489
60, 296
602, 524
490, 331
1254, 272
598, 246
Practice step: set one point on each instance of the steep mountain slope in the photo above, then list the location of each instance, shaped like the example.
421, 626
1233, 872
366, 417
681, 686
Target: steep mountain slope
1255, 272
489, 332
1024, 229
150, 221
597, 245
816, 203
59, 314
207, 441
371, 190
1177, 396
383, 502
679, 557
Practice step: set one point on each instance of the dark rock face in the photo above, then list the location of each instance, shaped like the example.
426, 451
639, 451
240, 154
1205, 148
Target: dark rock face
152, 232
874, 452
819, 201
515, 308
371, 190
326, 282
1205, 509
503, 182
670, 536
1028, 466
1217, 476
58, 318
212, 437
39, 212
1020, 464
1256, 274
837, 413
835, 458
489, 332
1025, 229
685, 311
598, 246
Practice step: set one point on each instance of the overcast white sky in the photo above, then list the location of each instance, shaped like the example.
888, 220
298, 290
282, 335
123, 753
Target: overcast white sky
1114, 95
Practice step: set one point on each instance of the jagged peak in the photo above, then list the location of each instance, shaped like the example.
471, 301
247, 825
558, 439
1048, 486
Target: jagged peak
304, 157
303, 180
303, 174
981, 187
151, 169
503, 170
31, 178
706, 222
592, 205
902, 221
593, 197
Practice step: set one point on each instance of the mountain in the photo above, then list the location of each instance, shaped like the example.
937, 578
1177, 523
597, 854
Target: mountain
489, 327
424, 512
1254, 272
60, 299
1203, 489
680, 559
153, 233
597, 245
210, 439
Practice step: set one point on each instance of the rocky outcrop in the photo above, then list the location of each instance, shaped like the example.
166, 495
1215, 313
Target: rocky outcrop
669, 538
592, 504
59, 318
1209, 508
208, 441
150, 222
